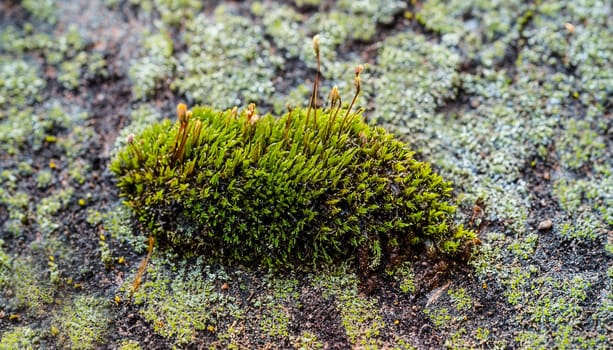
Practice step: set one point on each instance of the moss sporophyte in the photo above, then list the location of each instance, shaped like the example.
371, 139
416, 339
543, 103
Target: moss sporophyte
311, 187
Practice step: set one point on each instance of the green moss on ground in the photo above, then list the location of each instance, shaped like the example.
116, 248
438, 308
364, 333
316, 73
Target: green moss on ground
285, 192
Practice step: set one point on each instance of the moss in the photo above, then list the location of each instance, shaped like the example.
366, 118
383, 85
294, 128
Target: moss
524, 247
24, 338
284, 193
83, 323
438, 316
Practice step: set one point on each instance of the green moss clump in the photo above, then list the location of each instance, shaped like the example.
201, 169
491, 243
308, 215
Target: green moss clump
299, 190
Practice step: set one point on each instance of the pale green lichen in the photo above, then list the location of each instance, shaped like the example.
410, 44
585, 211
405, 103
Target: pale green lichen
67, 51
23, 338
49, 206
224, 64
20, 84
45, 10
380, 11
580, 145
414, 78
94, 217
17, 204
106, 255
83, 323
557, 304
79, 170
307, 341
307, 2
156, 65
285, 26
491, 26
360, 317
44, 179
584, 226
282, 296
25, 128
117, 222
29, 289
460, 299
181, 300
129, 345
578, 196
172, 12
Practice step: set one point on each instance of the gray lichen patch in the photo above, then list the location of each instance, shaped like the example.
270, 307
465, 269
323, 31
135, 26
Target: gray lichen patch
228, 62
183, 300
154, 67
82, 323
414, 77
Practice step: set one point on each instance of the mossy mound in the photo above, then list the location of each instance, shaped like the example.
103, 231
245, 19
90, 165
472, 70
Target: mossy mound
307, 188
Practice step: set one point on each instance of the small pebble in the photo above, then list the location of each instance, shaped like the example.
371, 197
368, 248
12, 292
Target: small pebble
545, 225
